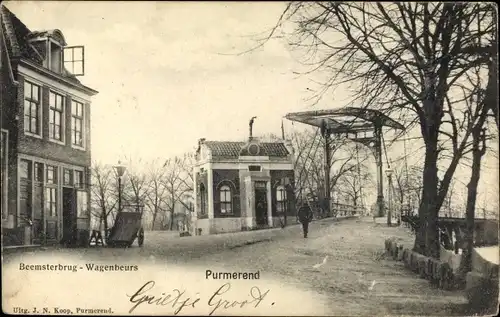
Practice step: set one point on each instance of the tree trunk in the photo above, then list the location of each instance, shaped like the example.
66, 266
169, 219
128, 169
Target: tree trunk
104, 219
155, 213
477, 153
427, 240
172, 212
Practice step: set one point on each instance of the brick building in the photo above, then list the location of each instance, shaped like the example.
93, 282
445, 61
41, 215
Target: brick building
242, 185
45, 127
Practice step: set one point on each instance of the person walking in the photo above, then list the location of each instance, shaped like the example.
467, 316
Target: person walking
305, 216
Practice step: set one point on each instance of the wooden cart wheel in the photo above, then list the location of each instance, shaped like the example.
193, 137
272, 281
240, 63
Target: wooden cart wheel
140, 238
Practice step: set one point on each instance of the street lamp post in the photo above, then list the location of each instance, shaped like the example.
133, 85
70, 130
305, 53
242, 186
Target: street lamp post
120, 170
388, 172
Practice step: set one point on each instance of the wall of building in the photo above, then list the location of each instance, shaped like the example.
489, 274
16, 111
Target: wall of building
17, 229
8, 93
43, 147
236, 174
225, 225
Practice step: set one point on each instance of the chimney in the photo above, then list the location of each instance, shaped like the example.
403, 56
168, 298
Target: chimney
200, 142
250, 126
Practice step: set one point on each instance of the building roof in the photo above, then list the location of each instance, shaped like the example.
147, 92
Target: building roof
233, 149
17, 35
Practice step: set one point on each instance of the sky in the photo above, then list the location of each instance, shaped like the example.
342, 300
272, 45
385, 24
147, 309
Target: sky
168, 74
162, 78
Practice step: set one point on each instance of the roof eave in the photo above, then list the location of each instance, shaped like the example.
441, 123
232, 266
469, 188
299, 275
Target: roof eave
48, 73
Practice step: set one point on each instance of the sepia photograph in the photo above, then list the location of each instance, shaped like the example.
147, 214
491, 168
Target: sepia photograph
245, 158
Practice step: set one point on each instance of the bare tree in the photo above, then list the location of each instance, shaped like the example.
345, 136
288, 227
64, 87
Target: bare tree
103, 194
177, 181
352, 183
309, 163
135, 185
156, 193
406, 58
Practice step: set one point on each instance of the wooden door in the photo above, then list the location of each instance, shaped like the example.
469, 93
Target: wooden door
38, 226
69, 216
261, 206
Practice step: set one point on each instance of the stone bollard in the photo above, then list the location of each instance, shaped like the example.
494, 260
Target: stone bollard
422, 263
400, 255
434, 276
414, 261
406, 257
445, 276
394, 247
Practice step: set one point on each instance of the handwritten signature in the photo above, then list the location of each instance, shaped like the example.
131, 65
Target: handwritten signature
179, 300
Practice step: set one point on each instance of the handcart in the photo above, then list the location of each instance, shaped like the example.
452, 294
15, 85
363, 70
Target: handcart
127, 227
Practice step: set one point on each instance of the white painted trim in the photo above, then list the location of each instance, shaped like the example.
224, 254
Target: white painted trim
210, 193
244, 166
254, 158
250, 201
269, 204
52, 83
18, 190
51, 162
38, 39
32, 135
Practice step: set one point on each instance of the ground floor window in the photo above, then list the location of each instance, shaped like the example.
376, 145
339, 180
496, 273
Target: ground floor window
51, 201
225, 200
280, 199
40, 191
82, 204
203, 198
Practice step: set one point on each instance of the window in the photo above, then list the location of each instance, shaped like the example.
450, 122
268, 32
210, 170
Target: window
79, 179
203, 197
51, 201
74, 60
67, 177
225, 200
25, 169
38, 172
280, 199
4, 171
77, 123
82, 204
32, 108
51, 175
56, 102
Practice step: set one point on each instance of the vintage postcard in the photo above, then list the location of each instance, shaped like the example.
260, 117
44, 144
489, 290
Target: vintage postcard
249, 158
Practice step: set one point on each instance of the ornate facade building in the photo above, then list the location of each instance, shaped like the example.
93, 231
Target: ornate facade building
242, 185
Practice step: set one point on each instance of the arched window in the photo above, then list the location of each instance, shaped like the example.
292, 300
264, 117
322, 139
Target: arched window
280, 198
225, 200
203, 197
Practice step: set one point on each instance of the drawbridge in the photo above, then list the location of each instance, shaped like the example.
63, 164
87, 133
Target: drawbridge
363, 126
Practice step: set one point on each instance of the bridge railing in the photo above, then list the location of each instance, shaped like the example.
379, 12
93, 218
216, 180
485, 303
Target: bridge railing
452, 231
336, 209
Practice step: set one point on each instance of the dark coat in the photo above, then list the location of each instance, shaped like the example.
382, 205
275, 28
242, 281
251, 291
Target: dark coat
305, 214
